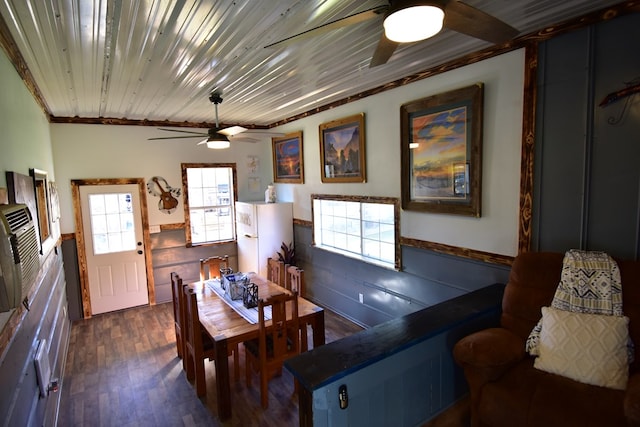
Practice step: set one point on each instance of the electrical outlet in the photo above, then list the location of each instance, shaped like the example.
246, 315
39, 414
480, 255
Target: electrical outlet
361, 298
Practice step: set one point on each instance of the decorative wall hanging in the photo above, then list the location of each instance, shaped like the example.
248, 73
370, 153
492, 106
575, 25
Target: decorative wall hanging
158, 186
342, 153
441, 152
632, 88
288, 164
253, 164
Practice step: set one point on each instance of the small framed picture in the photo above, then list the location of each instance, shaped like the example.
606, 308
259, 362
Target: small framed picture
288, 163
441, 152
342, 153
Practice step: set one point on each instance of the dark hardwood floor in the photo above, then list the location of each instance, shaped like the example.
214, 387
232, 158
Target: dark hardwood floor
122, 370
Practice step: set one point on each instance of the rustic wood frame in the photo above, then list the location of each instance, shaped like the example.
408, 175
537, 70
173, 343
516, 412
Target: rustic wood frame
329, 132
457, 178
288, 161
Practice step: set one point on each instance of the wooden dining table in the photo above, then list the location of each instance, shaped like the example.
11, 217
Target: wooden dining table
228, 328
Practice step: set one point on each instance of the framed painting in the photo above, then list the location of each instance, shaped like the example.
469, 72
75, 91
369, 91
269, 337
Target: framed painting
342, 153
288, 164
441, 152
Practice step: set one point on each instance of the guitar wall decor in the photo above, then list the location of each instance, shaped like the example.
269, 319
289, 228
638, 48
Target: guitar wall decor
158, 186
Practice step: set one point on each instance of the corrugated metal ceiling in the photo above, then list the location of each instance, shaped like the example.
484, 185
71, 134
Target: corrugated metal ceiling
159, 59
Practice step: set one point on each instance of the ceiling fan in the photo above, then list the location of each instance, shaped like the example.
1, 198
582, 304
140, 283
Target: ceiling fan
217, 137
408, 21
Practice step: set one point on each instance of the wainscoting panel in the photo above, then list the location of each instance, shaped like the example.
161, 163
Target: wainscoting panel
428, 278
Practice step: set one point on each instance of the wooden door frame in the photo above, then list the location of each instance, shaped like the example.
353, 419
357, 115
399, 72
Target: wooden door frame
80, 240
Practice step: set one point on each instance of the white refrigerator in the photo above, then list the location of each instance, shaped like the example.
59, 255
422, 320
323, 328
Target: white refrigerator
261, 229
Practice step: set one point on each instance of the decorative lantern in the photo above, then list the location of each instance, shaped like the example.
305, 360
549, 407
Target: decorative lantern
233, 285
250, 295
223, 272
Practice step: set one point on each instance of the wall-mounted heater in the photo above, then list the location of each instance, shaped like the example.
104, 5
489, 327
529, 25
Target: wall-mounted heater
19, 257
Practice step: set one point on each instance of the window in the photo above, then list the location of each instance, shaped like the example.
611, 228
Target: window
209, 190
365, 228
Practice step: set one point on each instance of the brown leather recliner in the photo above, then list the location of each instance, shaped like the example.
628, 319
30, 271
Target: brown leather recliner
505, 388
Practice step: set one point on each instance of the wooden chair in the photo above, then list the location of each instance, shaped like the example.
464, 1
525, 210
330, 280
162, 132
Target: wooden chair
210, 269
212, 266
178, 310
275, 343
275, 271
198, 344
294, 282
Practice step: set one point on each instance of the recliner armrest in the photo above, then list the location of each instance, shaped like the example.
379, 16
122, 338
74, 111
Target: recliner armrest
632, 400
489, 353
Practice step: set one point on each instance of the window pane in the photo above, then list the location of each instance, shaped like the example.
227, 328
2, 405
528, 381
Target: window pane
353, 244
352, 210
387, 252
371, 248
353, 227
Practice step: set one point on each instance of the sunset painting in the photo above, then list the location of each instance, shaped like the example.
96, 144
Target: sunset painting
440, 154
287, 158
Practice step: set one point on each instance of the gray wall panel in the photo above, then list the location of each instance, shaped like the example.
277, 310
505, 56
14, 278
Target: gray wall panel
587, 174
428, 278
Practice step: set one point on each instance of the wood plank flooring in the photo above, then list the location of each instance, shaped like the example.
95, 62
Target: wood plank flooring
122, 369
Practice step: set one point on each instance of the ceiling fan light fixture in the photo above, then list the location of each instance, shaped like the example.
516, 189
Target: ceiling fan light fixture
414, 23
218, 144
216, 141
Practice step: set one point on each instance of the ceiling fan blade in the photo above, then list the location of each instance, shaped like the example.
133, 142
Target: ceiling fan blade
176, 137
233, 130
384, 50
254, 135
183, 131
333, 25
473, 22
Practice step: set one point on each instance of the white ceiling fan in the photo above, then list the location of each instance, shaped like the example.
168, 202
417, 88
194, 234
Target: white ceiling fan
217, 137
407, 21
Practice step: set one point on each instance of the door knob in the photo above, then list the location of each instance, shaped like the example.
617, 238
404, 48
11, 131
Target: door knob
139, 252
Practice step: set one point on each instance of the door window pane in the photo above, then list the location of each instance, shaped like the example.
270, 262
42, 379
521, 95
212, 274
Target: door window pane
112, 226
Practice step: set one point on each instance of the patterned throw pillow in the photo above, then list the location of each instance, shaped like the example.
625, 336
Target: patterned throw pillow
590, 348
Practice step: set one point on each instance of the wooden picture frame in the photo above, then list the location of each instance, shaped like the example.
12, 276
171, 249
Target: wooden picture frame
342, 150
288, 162
441, 152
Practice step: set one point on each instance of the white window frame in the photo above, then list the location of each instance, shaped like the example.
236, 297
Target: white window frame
323, 225
223, 204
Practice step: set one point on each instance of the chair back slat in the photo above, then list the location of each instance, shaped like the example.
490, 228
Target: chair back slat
178, 311
275, 271
294, 280
210, 267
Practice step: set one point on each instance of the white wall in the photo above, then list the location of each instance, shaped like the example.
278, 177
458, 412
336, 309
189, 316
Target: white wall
497, 230
24, 138
100, 151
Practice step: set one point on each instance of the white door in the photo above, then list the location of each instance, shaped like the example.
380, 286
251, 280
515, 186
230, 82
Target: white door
112, 226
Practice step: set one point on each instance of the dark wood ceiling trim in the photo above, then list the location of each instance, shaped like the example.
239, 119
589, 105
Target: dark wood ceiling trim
11, 49
156, 123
